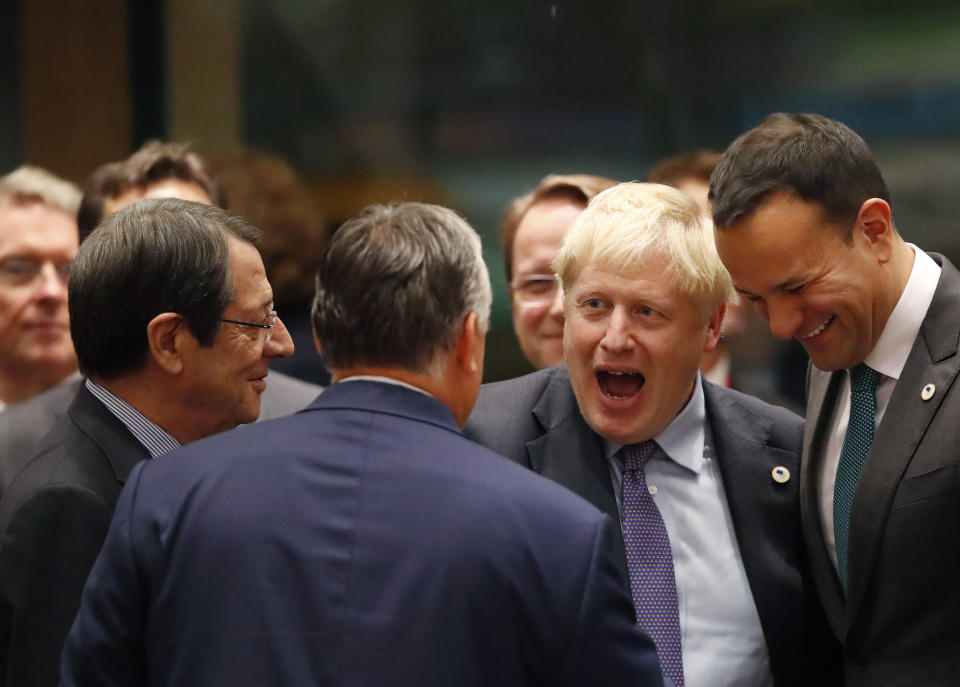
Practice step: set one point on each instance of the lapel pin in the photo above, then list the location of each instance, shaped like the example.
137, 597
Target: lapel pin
928, 391
780, 475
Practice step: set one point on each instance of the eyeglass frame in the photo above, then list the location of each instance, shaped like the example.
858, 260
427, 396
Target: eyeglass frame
269, 327
28, 278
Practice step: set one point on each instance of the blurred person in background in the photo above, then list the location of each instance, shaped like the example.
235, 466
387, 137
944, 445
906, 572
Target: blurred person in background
531, 232
38, 241
266, 191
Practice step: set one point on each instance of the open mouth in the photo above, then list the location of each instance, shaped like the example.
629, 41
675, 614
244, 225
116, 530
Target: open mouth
820, 328
620, 385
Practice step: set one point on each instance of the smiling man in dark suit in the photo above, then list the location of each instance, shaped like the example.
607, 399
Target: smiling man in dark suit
702, 478
803, 223
171, 318
363, 541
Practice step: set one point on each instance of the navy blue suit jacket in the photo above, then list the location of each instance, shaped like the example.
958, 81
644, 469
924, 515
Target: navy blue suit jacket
363, 541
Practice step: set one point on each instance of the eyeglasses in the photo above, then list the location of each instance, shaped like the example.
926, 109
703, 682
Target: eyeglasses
271, 322
24, 271
536, 289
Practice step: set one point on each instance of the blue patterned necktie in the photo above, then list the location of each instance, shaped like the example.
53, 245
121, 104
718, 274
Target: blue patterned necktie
856, 445
650, 561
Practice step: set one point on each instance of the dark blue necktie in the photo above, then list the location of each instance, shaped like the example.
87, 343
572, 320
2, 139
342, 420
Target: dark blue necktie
650, 561
856, 445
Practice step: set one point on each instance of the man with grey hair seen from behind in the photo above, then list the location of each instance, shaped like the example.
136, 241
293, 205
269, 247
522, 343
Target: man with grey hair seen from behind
700, 477
369, 542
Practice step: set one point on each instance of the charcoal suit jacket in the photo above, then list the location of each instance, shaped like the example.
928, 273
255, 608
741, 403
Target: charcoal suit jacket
900, 617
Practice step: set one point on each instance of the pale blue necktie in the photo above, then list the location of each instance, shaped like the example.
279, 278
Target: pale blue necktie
856, 445
650, 561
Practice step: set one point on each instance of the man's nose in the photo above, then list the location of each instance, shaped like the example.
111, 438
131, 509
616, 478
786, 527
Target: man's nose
556, 305
784, 318
51, 283
618, 335
280, 344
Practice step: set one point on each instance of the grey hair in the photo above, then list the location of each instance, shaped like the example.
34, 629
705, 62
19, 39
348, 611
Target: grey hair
27, 184
395, 285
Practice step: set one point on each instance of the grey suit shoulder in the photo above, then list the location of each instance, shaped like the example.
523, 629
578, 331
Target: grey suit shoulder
22, 425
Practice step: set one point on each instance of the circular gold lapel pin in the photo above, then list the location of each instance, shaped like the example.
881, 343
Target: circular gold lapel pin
928, 391
780, 475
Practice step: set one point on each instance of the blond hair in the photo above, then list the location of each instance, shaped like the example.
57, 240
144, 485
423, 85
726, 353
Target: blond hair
632, 223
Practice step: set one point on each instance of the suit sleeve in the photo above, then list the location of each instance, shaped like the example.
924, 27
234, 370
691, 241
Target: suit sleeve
49, 543
105, 646
608, 648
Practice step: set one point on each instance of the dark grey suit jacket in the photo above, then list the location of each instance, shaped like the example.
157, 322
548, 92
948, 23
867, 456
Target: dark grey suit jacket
900, 621
53, 520
22, 425
534, 420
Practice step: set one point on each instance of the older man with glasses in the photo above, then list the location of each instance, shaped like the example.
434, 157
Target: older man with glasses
38, 240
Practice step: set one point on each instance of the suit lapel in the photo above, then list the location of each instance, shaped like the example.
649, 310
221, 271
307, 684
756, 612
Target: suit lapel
121, 448
933, 359
761, 509
569, 452
822, 397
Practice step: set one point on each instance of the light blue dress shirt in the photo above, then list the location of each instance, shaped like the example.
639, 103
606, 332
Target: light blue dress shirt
722, 640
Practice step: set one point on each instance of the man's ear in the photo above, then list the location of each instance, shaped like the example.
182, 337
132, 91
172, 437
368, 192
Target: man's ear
875, 223
165, 336
466, 343
714, 327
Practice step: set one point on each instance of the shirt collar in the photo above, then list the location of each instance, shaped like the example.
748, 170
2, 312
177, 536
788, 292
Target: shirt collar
683, 439
156, 440
890, 353
384, 380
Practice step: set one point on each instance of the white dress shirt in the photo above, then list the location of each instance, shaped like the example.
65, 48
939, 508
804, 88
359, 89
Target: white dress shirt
888, 357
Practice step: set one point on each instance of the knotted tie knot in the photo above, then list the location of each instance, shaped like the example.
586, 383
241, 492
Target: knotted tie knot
864, 379
635, 456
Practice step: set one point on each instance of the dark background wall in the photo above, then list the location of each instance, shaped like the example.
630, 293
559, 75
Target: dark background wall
469, 104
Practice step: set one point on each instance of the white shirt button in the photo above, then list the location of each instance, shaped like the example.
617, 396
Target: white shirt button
652, 489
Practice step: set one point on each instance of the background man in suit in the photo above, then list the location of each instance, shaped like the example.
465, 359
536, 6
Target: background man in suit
803, 223
531, 232
644, 298
172, 321
363, 541
38, 240
157, 170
